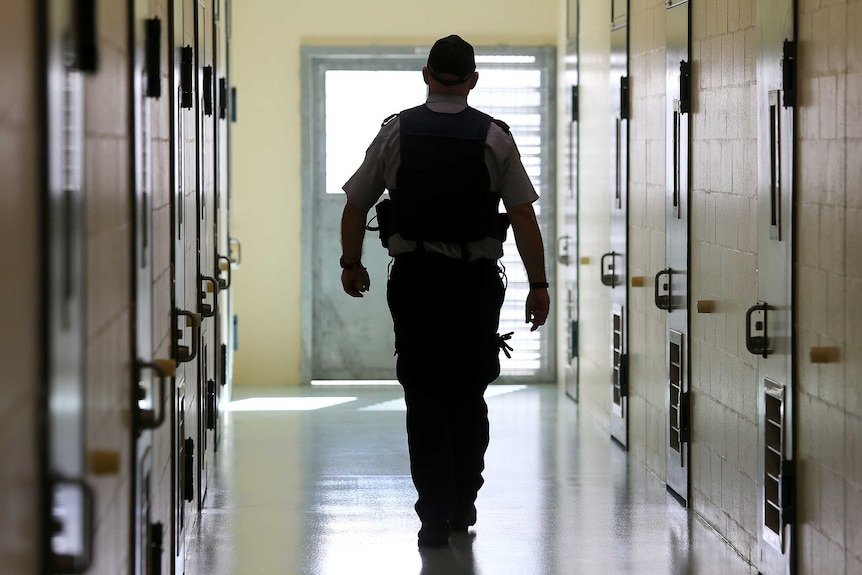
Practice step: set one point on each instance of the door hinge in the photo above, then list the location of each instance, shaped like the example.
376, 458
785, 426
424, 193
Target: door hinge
187, 63
189, 469
157, 537
684, 87
788, 492
625, 111
575, 104
212, 405
153, 57
684, 411
788, 74
87, 58
222, 98
208, 90
624, 375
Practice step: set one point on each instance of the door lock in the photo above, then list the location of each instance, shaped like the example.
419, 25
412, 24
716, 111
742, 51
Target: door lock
147, 418
609, 276
193, 320
757, 339
664, 291
208, 310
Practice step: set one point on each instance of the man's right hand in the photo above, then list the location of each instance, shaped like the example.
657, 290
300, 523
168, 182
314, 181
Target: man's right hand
538, 307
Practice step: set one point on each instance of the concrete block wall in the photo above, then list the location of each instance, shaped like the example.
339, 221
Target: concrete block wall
109, 306
829, 276
724, 263
20, 345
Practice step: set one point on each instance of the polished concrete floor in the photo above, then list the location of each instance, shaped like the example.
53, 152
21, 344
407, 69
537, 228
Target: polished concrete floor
316, 482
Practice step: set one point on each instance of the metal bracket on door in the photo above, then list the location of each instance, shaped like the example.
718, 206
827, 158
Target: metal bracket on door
208, 310
664, 300
757, 344
193, 320
609, 276
63, 562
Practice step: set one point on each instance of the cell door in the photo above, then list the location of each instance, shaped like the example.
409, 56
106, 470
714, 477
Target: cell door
567, 244
185, 293
207, 273
614, 264
70, 51
672, 283
151, 376
769, 323
218, 392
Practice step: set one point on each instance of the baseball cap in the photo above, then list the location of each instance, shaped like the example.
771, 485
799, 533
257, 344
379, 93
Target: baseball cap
451, 55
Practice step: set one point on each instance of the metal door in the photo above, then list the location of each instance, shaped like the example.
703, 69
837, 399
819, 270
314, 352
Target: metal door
672, 283
220, 392
207, 282
567, 244
769, 323
149, 384
70, 51
614, 264
185, 293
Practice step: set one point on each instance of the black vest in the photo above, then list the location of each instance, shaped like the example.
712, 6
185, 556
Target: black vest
443, 190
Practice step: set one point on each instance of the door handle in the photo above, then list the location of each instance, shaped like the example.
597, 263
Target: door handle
664, 300
65, 562
193, 320
224, 266
208, 310
147, 418
563, 250
238, 261
609, 276
757, 344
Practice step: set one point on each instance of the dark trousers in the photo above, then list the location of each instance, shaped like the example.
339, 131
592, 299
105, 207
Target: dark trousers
446, 314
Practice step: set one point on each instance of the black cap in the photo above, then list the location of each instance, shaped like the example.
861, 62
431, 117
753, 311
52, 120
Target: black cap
451, 55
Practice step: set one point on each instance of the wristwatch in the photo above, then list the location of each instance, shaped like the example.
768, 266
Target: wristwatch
352, 266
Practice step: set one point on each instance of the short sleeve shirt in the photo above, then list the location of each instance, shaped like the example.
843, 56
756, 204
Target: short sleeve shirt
378, 173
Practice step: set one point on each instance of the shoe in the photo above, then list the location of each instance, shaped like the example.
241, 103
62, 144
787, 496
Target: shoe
462, 521
434, 535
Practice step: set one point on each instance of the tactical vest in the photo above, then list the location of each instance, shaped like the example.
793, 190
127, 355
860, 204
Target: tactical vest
443, 190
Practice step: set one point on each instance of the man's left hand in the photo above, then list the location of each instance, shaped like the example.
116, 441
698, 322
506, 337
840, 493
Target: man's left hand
355, 281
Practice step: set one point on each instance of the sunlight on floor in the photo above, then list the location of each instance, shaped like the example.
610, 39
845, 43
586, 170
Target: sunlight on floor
286, 403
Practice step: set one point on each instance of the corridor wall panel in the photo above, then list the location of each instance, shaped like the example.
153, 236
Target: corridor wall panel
829, 271
108, 303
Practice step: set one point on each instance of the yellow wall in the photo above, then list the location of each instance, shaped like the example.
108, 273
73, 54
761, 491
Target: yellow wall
267, 138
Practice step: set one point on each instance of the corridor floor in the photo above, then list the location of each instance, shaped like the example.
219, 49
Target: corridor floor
316, 481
